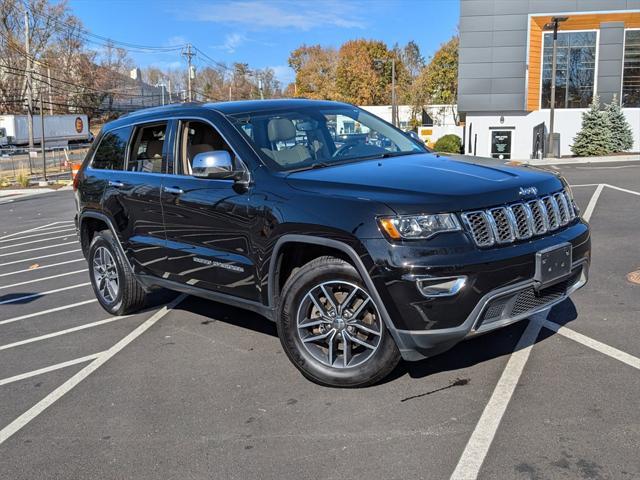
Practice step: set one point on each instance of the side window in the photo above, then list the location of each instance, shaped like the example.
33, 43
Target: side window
197, 137
147, 149
111, 152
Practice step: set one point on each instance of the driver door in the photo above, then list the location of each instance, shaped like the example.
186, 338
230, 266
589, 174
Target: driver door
206, 220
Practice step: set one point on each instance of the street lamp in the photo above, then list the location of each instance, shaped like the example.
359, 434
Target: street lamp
378, 62
551, 143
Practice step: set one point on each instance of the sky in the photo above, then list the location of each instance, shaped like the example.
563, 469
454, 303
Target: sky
262, 33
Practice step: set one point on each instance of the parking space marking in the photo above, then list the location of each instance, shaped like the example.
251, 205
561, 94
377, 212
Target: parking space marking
632, 192
41, 267
24, 419
39, 258
36, 241
45, 312
42, 294
38, 235
592, 203
478, 445
585, 185
42, 227
594, 344
51, 368
66, 331
39, 248
42, 279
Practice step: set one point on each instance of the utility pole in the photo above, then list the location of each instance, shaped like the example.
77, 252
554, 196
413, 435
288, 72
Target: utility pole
27, 49
551, 145
260, 87
188, 54
170, 101
394, 101
50, 94
42, 136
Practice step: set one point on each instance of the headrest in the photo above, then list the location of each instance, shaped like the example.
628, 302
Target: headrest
280, 129
154, 148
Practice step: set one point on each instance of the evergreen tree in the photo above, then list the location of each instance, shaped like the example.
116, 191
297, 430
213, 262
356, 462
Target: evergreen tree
595, 136
621, 135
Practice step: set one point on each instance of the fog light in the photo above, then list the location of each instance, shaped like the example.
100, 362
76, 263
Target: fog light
434, 287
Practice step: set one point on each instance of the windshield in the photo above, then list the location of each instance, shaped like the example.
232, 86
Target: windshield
308, 137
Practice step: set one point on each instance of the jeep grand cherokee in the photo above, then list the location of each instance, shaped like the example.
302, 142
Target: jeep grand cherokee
358, 242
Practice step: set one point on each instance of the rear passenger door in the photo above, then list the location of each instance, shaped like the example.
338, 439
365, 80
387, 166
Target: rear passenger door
132, 197
206, 220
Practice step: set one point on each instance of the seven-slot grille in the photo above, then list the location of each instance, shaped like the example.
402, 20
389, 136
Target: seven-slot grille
521, 220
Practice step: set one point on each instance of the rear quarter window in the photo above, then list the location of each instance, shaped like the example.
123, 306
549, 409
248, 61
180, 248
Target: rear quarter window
111, 152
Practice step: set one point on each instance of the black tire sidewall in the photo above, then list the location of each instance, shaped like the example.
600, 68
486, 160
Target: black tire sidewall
295, 290
105, 239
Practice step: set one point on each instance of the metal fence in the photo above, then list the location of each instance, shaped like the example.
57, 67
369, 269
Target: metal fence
15, 160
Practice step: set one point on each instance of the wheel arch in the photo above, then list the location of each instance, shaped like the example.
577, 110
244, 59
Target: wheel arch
350, 254
87, 223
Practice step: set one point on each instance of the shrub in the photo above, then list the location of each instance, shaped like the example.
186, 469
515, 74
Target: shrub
22, 178
621, 135
450, 143
594, 138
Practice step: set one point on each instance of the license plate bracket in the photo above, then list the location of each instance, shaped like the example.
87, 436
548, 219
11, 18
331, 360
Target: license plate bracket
553, 264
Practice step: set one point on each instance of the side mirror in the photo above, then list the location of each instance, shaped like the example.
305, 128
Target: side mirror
213, 164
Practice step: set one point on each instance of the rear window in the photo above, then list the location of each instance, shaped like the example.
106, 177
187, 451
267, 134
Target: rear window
110, 154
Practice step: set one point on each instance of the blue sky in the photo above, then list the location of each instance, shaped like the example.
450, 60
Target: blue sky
263, 32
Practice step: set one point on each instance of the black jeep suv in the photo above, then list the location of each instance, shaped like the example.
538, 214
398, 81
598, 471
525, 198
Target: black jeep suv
361, 245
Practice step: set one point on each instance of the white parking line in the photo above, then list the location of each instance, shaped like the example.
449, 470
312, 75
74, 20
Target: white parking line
39, 248
592, 203
478, 445
45, 312
36, 241
67, 386
632, 192
585, 185
42, 294
39, 258
595, 344
39, 234
62, 332
41, 267
29, 230
42, 279
51, 368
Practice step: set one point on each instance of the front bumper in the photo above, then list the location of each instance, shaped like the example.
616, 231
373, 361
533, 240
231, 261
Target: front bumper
500, 288
497, 309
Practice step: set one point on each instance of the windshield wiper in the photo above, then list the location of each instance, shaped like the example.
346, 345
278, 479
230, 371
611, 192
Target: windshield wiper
384, 155
313, 166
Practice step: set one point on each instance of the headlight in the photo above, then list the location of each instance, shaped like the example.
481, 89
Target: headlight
418, 226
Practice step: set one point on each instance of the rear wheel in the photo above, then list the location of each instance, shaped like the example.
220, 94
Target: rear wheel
113, 283
331, 327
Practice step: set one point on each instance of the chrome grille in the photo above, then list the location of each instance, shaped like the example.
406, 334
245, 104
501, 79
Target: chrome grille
520, 221
481, 231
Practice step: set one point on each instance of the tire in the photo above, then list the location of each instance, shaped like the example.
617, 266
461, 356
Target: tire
339, 358
129, 296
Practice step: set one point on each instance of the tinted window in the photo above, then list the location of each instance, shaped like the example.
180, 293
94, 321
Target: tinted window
147, 150
111, 152
300, 137
198, 137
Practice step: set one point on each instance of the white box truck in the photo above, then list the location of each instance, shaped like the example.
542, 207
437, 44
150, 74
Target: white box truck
59, 130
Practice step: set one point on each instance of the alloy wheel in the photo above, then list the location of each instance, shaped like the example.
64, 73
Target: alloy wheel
339, 324
105, 274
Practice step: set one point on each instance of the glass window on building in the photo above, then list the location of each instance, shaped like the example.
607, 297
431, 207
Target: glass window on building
575, 69
631, 71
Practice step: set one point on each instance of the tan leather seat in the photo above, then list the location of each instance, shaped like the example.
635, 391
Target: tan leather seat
283, 130
152, 160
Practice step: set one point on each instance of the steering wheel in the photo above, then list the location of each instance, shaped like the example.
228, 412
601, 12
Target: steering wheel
343, 149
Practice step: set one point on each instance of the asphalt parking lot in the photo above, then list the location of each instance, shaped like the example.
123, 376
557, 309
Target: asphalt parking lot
200, 390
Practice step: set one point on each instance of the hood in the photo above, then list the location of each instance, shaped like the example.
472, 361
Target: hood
426, 183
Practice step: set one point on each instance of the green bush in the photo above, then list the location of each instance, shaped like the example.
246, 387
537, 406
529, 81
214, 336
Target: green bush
450, 143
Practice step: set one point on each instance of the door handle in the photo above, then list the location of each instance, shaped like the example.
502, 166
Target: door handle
173, 190
116, 184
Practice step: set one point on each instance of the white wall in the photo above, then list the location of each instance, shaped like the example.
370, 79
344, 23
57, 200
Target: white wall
442, 115
567, 122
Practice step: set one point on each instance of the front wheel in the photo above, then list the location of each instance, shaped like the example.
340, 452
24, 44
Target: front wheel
331, 328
